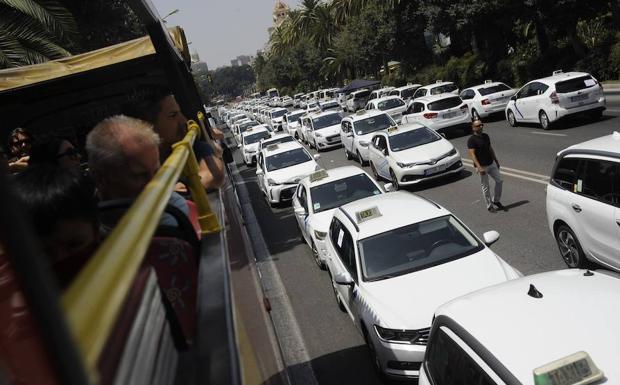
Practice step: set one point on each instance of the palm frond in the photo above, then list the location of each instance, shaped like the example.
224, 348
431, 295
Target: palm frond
55, 18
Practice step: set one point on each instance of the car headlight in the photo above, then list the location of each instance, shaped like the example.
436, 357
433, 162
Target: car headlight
318, 135
271, 182
397, 335
452, 152
363, 143
320, 235
405, 165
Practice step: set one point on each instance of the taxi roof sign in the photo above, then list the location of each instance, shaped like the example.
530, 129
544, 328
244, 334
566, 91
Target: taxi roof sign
273, 147
368, 214
360, 112
488, 81
392, 129
576, 369
318, 175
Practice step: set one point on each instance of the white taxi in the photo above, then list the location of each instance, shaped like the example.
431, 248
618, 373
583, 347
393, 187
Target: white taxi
320, 194
250, 139
437, 88
558, 327
276, 138
391, 105
486, 99
440, 113
412, 153
393, 259
280, 167
356, 131
291, 122
321, 130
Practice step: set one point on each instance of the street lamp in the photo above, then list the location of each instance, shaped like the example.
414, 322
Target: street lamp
170, 14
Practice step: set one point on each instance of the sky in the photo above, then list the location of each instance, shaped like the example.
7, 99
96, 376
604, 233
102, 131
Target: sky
221, 30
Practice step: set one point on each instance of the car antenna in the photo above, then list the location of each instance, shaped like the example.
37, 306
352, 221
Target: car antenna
588, 273
533, 292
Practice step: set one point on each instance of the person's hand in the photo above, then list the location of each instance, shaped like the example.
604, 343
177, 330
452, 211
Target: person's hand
218, 151
481, 170
180, 187
20, 164
217, 133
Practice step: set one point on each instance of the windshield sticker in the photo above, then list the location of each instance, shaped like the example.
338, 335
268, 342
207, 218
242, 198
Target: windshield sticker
316, 206
590, 82
340, 236
579, 185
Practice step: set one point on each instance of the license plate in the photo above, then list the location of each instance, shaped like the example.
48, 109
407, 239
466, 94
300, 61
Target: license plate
434, 170
500, 100
449, 115
578, 98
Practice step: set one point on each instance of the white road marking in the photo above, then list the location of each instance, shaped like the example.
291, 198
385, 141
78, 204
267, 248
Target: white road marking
546, 133
610, 110
533, 177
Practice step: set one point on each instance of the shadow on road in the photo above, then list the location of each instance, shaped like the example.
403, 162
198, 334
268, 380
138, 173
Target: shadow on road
570, 122
516, 204
438, 182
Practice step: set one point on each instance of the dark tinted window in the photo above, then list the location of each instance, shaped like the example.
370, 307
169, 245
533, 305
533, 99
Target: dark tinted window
376, 123
253, 138
407, 93
448, 364
326, 121
343, 243
389, 104
362, 94
566, 173
493, 89
575, 84
413, 138
467, 94
337, 193
443, 89
600, 180
444, 104
287, 159
416, 107
537, 89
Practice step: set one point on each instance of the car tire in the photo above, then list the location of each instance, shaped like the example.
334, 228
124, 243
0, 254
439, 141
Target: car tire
474, 114
544, 120
570, 248
394, 180
338, 301
360, 159
374, 171
347, 154
511, 118
315, 255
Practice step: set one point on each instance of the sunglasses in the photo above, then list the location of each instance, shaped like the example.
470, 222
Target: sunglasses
70, 152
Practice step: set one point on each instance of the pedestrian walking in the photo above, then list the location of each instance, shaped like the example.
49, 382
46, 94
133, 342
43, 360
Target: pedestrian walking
486, 164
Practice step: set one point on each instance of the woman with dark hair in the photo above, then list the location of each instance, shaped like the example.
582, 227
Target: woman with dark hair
62, 207
19, 149
54, 150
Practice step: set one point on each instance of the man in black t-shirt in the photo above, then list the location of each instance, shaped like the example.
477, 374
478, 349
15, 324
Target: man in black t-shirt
486, 164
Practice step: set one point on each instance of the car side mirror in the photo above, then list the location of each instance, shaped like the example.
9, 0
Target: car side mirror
490, 237
513, 97
344, 279
259, 171
385, 151
388, 187
300, 210
316, 156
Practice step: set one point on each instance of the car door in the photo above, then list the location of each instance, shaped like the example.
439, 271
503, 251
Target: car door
414, 112
523, 102
300, 200
383, 166
344, 261
374, 153
596, 207
346, 135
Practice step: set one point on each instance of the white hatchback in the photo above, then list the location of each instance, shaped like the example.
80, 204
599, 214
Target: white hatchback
356, 131
391, 105
291, 122
250, 139
437, 88
440, 113
390, 271
486, 99
322, 129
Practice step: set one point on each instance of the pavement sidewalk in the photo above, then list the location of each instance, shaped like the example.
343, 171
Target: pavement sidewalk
611, 87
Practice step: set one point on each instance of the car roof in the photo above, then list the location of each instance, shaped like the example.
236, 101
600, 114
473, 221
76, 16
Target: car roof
282, 147
334, 174
434, 98
296, 112
366, 114
391, 206
563, 76
402, 128
432, 85
490, 84
577, 311
276, 136
254, 130
416, 85
318, 114
362, 90
607, 143
383, 98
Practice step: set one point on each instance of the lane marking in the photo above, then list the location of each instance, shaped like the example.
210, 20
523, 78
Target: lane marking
610, 110
546, 133
470, 163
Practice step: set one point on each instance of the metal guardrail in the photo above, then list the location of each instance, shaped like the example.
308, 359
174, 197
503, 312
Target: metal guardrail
93, 301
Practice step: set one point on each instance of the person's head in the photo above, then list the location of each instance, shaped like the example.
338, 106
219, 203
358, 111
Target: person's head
476, 126
54, 150
62, 207
123, 156
19, 143
158, 106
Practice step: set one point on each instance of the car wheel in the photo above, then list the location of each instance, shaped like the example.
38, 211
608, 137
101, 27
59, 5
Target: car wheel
474, 114
570, 248
317, 259
512, 120
347, 154
544, 120
394, 180
360, 159
338, 301
374, 171
376, 364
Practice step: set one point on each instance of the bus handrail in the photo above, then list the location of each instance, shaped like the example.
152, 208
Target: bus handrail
95, 298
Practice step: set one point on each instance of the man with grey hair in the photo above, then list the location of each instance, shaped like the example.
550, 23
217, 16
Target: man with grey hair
123, 155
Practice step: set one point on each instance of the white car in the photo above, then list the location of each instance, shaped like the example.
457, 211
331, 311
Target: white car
583, 202
241, 127
381, 92
286, 101
405, 92
437, 88
486, 99
558, 327
297, 99
312, 106
391, 270
250, 139
411, 154
549, 99
330, 105
280, 167
356, 131
320, 194
275, 117
440, 113
322, 129
291, 123
391, 105
356, 100
276, 138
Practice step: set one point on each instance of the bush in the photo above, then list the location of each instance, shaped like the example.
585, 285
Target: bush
614, 60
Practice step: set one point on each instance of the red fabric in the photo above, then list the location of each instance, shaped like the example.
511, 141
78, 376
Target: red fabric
193, 217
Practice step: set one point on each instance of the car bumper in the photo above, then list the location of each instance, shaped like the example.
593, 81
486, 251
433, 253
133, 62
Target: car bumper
328, 142
561, 112
281, 193
457, 122
399, 360
363, 151
417, 175
492, 109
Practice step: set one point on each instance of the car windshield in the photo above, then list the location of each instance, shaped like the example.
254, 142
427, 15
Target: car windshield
407, 93
444, 104
254, 138
330, 106
415, 247
293, 117
282, 139
247, 125
493, 89
413, 138
361, 94
340, 192
375, 123
326, 121
389, 104
443, 89
287, 159
277, 114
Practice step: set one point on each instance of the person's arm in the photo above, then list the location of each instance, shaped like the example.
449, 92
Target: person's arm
493, 155
19, 165
212, 172
474, 158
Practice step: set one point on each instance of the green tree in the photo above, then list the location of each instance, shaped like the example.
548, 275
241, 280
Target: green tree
232, 81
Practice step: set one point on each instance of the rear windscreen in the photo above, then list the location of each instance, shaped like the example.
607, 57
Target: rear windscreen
493, 89
575, 84
444, 104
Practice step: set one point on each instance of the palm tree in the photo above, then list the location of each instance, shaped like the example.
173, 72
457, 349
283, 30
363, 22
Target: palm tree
33, 31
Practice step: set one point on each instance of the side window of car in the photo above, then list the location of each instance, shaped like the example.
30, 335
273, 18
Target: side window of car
382, 142
449, 364
347, 253
375, 141
600, 181
565, 174
417, 107
467, 94
303, 200
523, 92
334, 230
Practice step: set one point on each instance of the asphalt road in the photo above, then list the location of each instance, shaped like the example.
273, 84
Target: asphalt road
526, 153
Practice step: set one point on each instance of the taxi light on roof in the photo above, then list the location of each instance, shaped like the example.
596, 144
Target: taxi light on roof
272, 147
438, 81
392, 129
488, 81
557, 72
360, 112
318, 175
576, 369
368, 214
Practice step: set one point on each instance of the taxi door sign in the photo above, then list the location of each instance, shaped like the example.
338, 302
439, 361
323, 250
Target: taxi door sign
368, 214
576, 369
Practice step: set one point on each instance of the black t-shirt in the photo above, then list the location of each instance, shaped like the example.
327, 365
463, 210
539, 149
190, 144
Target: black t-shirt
481, 144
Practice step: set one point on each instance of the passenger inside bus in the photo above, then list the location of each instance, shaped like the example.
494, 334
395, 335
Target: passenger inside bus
54, 150
158, 106
19, 149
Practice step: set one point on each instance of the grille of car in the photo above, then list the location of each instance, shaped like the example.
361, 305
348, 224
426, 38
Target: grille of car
333, 138
423, 336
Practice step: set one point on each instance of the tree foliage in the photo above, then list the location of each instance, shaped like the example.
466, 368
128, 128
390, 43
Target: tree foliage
231, 81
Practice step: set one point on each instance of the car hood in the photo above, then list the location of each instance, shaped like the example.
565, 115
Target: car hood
426, 152
293, 174
329, 130
252, 147
409, 301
